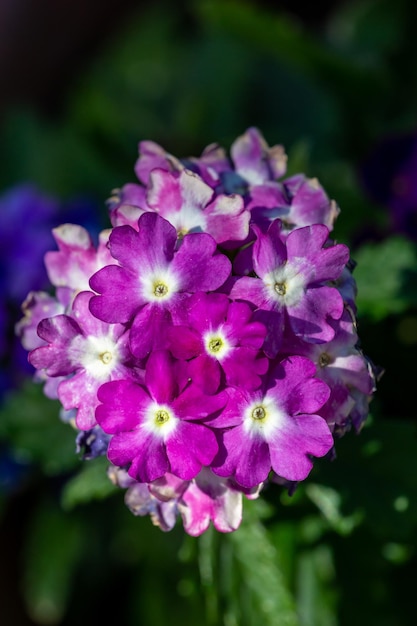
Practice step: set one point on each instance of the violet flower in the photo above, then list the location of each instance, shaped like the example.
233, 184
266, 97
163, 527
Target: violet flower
154, 279
290, 284
87, 352
276, 427
157, 428
220, 337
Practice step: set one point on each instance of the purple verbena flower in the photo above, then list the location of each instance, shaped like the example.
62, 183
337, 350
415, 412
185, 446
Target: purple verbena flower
210, 498
342, 365
154, 279
187, 202
220, 336
71, 266
87, 352
37, 306
158, 428
298, 201
290, 283
255, 161
276, 427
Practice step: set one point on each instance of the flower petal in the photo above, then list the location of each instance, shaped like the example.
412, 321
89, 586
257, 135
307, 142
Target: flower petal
189, 448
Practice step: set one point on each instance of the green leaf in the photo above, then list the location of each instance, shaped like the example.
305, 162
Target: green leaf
29, 422
329, 502
387, 277
258, 559
316, 597
91, 483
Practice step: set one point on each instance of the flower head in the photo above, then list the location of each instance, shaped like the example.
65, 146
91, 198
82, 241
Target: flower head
208, 345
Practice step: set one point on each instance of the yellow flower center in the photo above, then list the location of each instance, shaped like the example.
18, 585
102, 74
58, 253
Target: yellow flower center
105, 357
280, 288
215, 344
258, 413
161, 417
160, 290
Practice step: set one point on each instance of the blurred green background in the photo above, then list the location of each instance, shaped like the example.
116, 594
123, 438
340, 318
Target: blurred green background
336, 83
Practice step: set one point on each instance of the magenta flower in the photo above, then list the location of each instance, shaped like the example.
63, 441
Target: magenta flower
220, 336
87, 352
127, 204
297, 201
69, 268
157, 428
210, 498
342, 366
154, 279
291, 284
187, 202
152, 157
252, 161
140, 501
207, 498
37, 306
204, 499
275, 427
255, 161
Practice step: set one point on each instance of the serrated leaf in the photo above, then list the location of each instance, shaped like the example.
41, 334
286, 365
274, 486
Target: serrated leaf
91, 483
259, 564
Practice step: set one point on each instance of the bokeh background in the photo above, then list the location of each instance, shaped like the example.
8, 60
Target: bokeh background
81, 82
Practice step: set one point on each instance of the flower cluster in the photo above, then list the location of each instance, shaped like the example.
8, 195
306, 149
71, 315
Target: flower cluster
208, 344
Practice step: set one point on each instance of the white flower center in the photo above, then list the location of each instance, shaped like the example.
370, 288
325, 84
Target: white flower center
160, 420
262, 418
158, 286
286, 284
97, 355
216, 344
